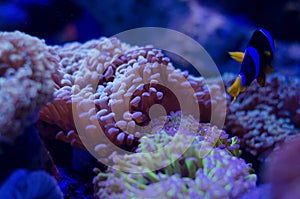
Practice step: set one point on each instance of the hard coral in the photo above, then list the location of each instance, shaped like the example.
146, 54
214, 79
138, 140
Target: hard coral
145, 79
141, 85
163, 129
105, 88
263, 117
25, 80
80, 65
193, 174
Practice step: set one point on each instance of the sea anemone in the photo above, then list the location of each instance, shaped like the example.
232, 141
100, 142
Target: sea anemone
24, 184
25, 80
264, 117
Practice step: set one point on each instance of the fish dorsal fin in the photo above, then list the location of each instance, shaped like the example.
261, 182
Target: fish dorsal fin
262, 41
238, 56
269, 69
270, 40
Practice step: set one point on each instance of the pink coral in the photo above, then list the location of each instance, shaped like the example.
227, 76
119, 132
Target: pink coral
79, 65
207, 167
25, 80
217, 175
145, 79
263, 117
108, 83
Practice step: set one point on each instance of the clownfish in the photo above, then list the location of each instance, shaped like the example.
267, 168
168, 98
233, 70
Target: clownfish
255, 62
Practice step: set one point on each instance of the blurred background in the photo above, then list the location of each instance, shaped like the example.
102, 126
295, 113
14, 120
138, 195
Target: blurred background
219, 25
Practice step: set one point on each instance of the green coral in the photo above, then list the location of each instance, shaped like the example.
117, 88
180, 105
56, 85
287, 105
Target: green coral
176, 123
217, 175
189, 164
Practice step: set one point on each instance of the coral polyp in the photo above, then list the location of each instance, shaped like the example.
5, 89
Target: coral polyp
139, 99
137, 86
112, 87
79, 66
145, 125
183, 175
26, 85
263, 123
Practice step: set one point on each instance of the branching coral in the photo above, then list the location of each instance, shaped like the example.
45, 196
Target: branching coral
110, 87
125, 93
164, 129
141, 103
145, 79
225, 181
79, 66
24, 184
145, 85
201, 171
25, 80
264, 117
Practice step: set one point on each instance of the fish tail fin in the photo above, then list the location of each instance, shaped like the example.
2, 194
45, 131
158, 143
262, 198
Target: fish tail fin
238, 56
235, 89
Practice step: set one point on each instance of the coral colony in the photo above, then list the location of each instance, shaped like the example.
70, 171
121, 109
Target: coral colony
102, 94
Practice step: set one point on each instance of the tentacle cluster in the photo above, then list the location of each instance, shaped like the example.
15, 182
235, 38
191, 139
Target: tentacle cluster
79, 66
201, 132
147, 78
264, 117
191, 174
108, 86
25, 80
